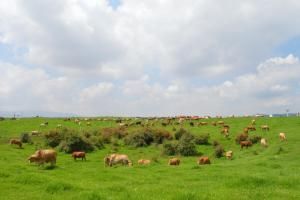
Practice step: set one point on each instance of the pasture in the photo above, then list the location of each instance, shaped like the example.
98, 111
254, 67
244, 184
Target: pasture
253, 173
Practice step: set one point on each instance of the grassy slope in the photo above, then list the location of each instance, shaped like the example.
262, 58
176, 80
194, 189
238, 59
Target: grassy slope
256, 173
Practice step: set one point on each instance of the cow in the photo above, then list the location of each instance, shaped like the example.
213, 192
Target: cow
174, 161
282, 136
220, 122
114, 159
204, 160
214, 123
144, 162
253, 122
203, 123
225, 132
265, 128
245, 144
229, 155
263, 142
78, 154
16, 142
35, 133
226, 126
44, 156
251, 128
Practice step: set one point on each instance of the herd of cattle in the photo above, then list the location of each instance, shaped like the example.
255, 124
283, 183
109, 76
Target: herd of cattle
49, 155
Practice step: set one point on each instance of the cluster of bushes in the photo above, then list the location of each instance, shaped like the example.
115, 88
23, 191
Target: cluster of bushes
25, 138
185, 144
147, 136
69, 140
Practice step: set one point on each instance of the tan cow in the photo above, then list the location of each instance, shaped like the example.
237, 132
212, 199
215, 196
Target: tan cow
263, 142
282, 136
115, 159
229, 155
44, 156
265, 128
203, 160
144, 162
35, 133
174, 161
16, 142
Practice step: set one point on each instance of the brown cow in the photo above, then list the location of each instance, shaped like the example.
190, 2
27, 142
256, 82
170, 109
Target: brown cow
203, 160
282, 136
245, 144
174, 161
144, 162
43, 156
78, 154
16, 142
251, 128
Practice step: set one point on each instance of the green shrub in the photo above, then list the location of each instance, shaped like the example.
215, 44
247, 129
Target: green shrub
25, 138
219, 151
170, 148
54, 137
178, 134
202, 139
76, 142
216, 143
186, 145
138, 139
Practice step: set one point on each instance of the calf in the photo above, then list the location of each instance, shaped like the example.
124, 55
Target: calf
263, 142
144, 162
282, 136
229, 155
174, 161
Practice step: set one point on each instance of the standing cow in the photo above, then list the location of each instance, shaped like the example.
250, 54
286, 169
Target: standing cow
78, 154
16, 142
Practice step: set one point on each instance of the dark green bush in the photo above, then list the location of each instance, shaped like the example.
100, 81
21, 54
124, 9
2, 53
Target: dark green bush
186, 145
25, 138
178, 134
219, 151
76, 142
202, 139
54, 137
170, 148
139, 139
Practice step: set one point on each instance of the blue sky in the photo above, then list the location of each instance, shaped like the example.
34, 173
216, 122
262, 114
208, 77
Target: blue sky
146, 58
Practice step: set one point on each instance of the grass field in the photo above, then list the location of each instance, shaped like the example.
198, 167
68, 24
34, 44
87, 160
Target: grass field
254, 173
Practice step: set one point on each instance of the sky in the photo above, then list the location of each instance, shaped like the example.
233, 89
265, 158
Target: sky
150, 58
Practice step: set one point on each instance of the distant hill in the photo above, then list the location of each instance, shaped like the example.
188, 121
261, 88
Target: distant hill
35, 113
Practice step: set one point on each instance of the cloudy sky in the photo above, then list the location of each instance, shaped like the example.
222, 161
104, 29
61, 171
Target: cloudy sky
158, 57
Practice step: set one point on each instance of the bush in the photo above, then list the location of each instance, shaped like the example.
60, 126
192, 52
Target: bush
2, 118
202, 139
170, 148
159, 136
139, 139
255, 139
186, 145
219, 151
54, 137
97, 142
216, 143
178, 134
76, 142
25, 138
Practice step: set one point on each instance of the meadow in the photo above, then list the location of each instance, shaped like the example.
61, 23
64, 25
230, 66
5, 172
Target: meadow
254, 173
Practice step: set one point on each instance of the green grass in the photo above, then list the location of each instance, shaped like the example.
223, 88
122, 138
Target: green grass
254, 173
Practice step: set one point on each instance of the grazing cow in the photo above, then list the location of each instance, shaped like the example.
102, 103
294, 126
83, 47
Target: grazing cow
174, 161
203, 160
220, 122
265, 128
44, 156
203, 123
35, 133
229, 155
226, 126
245, 144
16, 142
263, 142
79, 154
144, 162
114, 159
214, 123
225, 131
282, 136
